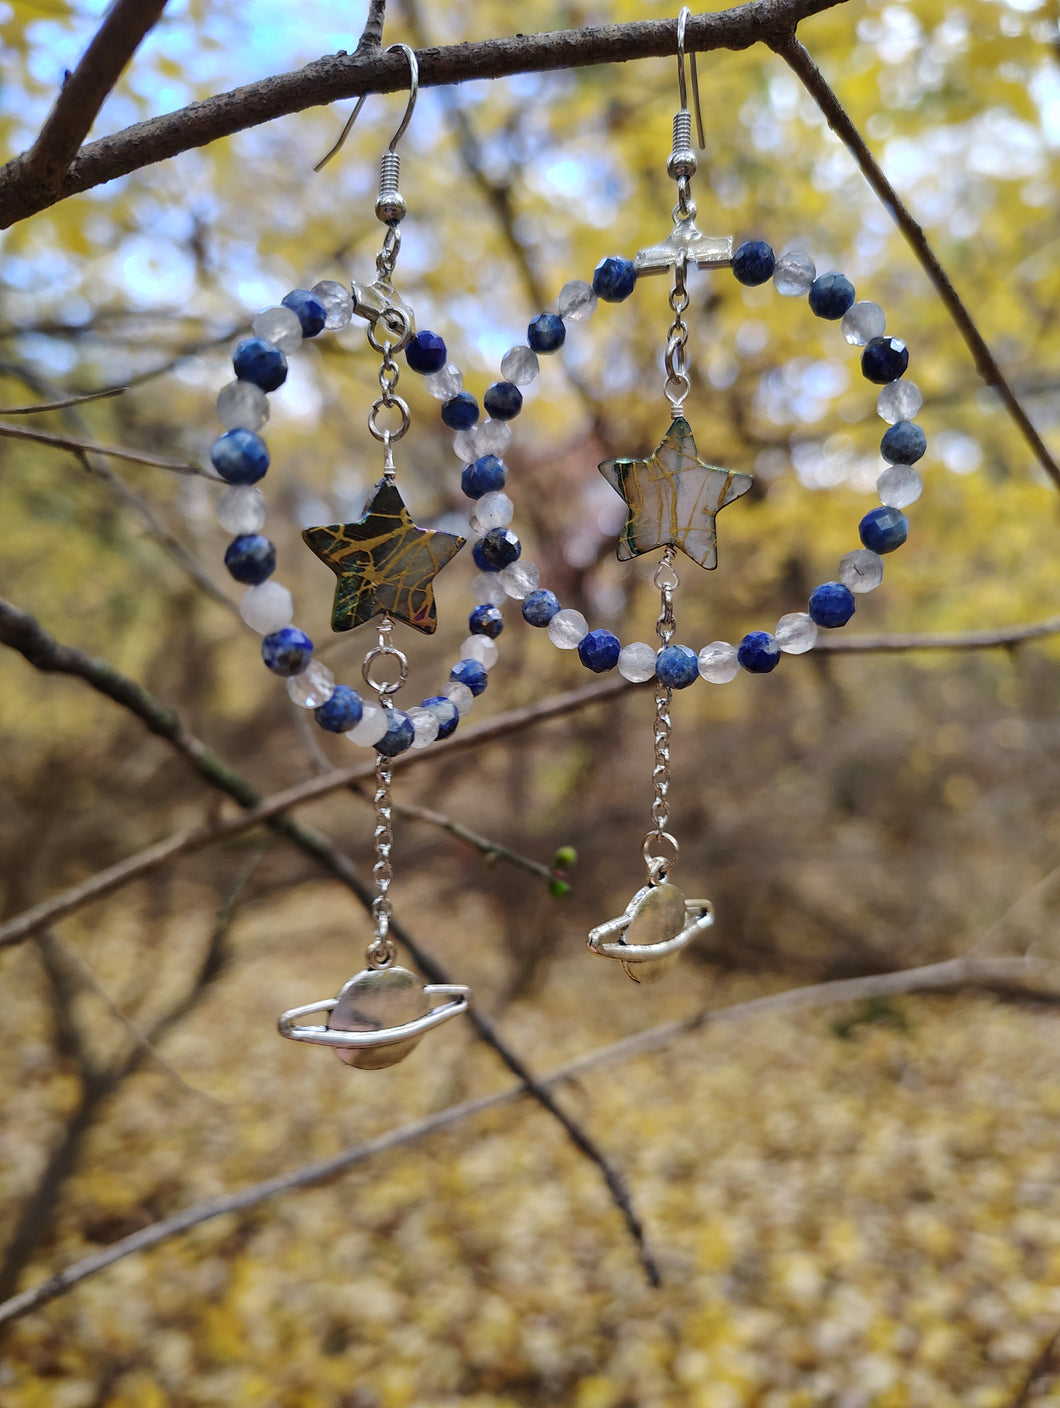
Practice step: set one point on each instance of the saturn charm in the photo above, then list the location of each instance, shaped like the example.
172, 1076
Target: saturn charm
658, 923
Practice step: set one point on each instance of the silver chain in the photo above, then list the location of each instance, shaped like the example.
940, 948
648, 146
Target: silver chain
677, 385
659, 838
381, 951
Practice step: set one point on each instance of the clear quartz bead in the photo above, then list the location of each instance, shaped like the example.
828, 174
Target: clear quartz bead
899, 400
242, 406
567, 628
520, 366
425, 724
241, 508
718, 663
460, 695
494, 510
520, 579
267, 608
479, 648
280, 326
492, 437
795, 633
861, 570
488, 587
794, 273
899, 486
371, 727
636, 662
464, 446
443, 385
862, 322
576, 302
337, 300
313, 687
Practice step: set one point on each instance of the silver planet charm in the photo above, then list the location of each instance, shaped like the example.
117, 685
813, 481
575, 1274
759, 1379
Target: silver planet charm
658, 923
378, 1017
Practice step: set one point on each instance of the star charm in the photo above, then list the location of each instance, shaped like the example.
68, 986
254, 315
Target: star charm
384, 563
673, 497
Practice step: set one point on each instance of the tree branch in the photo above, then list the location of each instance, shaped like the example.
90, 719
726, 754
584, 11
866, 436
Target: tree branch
64, 404
66, 442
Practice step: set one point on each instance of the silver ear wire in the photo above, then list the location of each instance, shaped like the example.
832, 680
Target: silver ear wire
414, 88
682, 91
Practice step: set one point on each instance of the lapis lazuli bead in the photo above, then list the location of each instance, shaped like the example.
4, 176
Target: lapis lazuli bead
884, 360
425, 353
485, 476
308, 309
445, 711
831, 296
260, 362
614, 279
461, 412
883, 529
758, 653
677, 666
831, 605
251, 558
540, 607
497, 550
903, 443
753, 263
599, 651
400, 731
503, 401
471, 673
240, 456
546, 333
287, 651
341, 712
486, 620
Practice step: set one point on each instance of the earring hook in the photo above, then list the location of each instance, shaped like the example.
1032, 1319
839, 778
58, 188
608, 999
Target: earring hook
414, 88
682, 20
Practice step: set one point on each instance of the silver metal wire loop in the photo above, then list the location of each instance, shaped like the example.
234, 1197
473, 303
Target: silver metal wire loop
414, 88
682, 91
385, 650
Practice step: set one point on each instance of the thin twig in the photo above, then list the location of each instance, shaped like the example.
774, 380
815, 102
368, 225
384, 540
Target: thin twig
1045, 1364
939, 640
64, 404
115, 452
492, 850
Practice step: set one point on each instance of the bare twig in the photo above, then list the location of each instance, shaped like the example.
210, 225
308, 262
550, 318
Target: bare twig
1047, 1363
940, 640
64, 404
115, 452
492, 850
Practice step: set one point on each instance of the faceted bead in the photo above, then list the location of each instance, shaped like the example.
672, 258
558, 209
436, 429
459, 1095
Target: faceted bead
520, 579
520, 366
479, 648
446, 383
576, 302
753, 263
460, 695
719, 662
540, 607
861, 570
494, 510
425, 353
341, 712
546, 333
636, 662
793, 276
310, 312
503, 400
497, 550
899, 486
677, 666
862, 323
260, 362
899, 401
372, 726
400, 731
470, 673
488, 587
242, 406
241, 509
461, 412
465, 446
240, 456
487, 475
796, 633
883, 529
312, 687
614, 279
567, 628
830, 296
337, 301
599, 651
831, 605
267, 608
251, 559
425, 725
280, 326
903, 443
492, 437
758, 652
287, 651
884, 359
486, 620
446, 713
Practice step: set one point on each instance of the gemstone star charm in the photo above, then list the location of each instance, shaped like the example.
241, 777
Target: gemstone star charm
384, 563
673, 497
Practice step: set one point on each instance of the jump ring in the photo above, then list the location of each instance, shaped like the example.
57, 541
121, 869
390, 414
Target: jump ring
386, 436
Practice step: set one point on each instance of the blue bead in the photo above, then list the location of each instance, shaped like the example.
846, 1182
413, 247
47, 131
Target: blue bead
830, 296
485, 476
260, 362
470, 672
546, 333
503, 400
758, 653
425, 353
310, 311
341, 712
540, 607
400, 732
461, 412
497, 550
903, 443
614, 279
486, 621
677, 666
599, 650
884, 359
240, 456
287, 652
831, 605
251, 558
445, 711
884, 529
753, 263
